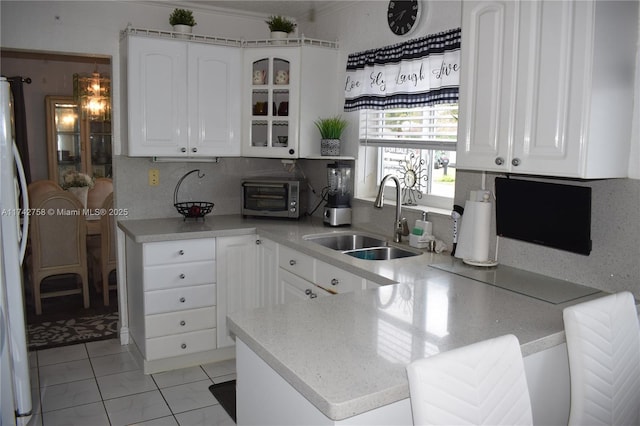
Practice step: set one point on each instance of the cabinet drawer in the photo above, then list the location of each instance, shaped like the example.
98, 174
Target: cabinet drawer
181, 344
179, 299
180, 322
338, 280
300, 264
179, 275
164, 252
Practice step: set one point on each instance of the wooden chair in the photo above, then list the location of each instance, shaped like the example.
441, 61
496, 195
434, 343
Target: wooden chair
103, 258
40, 188
480, 384
58, 245
101, 189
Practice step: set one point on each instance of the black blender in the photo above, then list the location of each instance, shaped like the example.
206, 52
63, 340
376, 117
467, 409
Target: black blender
337, 211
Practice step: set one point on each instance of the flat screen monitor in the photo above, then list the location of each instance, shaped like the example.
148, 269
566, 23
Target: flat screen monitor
549, 214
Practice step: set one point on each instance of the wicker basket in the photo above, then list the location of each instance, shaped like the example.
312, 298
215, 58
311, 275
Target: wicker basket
191, 209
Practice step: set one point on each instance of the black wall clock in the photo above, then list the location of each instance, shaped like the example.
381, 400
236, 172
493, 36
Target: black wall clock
403, 15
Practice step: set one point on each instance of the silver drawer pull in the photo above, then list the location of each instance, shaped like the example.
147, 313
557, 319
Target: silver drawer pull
292, 262
183, 323
313, 296
335, 281
182, 276
182, 300
307, 292
183, 346
181, 252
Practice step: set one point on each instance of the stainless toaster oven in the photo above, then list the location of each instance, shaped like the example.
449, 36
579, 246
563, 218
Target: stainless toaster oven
274, 197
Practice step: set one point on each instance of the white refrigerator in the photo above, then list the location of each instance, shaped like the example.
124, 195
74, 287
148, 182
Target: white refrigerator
15, 388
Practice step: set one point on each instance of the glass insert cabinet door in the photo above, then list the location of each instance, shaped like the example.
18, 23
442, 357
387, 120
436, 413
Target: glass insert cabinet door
74, 143
270, 96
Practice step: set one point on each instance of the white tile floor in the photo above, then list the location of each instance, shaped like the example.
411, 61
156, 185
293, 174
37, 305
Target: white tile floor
102, 383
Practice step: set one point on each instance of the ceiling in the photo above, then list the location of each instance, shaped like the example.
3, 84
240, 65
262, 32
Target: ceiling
300, 10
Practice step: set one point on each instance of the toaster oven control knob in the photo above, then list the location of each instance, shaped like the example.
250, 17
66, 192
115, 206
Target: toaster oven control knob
292, 209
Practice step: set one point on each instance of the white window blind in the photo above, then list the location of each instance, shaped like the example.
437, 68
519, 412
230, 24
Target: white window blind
430, 127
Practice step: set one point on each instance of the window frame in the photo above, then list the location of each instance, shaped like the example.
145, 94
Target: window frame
428, 142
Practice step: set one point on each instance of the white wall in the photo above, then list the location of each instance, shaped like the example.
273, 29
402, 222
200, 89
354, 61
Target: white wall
93, 27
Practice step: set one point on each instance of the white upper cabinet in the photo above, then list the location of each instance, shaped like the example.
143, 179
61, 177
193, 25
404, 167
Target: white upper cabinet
285, 90
182, 98
547, 86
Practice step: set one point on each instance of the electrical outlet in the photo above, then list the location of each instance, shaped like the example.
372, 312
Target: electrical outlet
154, 177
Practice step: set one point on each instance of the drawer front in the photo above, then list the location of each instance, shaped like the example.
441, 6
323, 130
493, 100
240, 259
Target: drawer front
338, 280
179, 275
164, 252
180, 344
180, 322
299, 264
179, 299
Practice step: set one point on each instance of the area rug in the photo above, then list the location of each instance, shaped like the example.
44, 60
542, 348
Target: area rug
225, 393
52, 334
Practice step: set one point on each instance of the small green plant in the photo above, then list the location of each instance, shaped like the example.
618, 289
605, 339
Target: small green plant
331, 128
280, 23
182, 17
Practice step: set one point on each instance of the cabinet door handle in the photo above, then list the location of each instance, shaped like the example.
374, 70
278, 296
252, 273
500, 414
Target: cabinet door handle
183, 323
194, 149
183, 346
515, 162
182, 300
499, 161
335, 281
292, 262
182, 276
307, 292
181, 252
313, 296
258, 242
183, 149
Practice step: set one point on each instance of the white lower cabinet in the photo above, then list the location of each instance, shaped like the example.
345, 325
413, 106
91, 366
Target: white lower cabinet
295, 288
237, 280
172, 297
180, 292
269, 290
337, 280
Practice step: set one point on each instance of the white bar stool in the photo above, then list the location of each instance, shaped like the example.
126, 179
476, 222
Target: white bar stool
480, 384
603, 342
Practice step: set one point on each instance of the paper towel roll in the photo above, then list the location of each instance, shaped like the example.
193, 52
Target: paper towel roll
473, 236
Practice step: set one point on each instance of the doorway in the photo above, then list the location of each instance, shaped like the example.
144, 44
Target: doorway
63, 319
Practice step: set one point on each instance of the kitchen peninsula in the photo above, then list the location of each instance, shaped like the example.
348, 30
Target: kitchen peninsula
341, 359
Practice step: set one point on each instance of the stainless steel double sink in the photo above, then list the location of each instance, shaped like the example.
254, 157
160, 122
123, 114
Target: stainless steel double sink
361, 245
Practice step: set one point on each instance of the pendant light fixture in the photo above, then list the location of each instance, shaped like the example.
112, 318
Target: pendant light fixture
93, 95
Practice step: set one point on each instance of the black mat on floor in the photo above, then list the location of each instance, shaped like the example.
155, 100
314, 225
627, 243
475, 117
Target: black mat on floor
225, 393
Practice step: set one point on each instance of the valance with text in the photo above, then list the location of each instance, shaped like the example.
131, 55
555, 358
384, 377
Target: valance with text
419, 72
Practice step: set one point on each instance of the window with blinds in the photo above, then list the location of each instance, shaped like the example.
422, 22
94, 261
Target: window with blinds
430, 127
418, 141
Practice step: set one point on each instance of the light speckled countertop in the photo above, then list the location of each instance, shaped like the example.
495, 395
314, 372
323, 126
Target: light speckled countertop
347, 353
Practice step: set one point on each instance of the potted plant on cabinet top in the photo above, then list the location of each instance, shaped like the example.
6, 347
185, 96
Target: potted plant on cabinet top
182, 21
280, 26
330, 132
